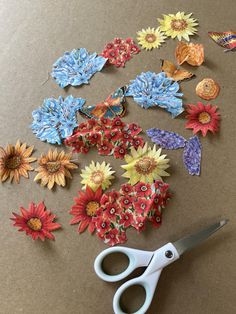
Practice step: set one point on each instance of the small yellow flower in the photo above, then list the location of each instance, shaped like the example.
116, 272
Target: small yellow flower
53, 168
150, 38
178, 25
15, 161
96, 175
145, 164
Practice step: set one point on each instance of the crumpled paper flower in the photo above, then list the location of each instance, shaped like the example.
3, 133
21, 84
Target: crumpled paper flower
191, 53
166, 139
56, 118
150, 89
192, 156
172, 140
109, 136
77, 67
119, 51
112, 213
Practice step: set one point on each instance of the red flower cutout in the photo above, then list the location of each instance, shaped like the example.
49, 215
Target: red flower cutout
143, 189
202, 118
36, 221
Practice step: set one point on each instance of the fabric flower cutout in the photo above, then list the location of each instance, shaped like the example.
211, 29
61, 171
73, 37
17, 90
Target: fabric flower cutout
56, 118
119, 51
36, 221
145, 164
15, 162
192, 156
150, 89
166, 139
207, 89
191, 53
77, 67
109, 136
178, 25
202, 118
171, 140
150, 38
85, 209
96, 175
53, 168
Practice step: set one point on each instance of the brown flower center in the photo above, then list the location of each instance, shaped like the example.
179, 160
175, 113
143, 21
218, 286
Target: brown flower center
34, 224
150, 38
179, 25
53, 166
91, 208
204, 117
97, 177
145, 165
13, 162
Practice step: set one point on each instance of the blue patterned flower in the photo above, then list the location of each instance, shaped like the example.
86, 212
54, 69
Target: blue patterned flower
56, 118
192, 156
166, 139
150, 89
77, 67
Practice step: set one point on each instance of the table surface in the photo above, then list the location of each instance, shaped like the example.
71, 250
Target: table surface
58, 277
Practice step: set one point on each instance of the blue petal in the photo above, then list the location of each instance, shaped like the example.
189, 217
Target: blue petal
192, 156
166, 139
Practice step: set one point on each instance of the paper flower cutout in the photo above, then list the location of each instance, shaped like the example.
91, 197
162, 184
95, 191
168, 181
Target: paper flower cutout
145, 164
178, 25
119, 51
36, 221
202, 118
96, 175
171, 140
191, 53
150, 89
192, 156
15, 162
207, 89
110, 137
150, 38
56, 119
85, 209
53, 168
76, 67
112, 213
166, 139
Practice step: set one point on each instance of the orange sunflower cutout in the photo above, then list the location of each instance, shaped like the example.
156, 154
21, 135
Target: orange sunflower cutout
54, 168
15, 162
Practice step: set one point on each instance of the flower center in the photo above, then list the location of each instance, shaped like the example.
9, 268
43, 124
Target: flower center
150, 38
204, 117
145, 165
97, 177
143, 188
13, 162
158, 219
53, 166
112, 211
178, 25
91, 208
34, 224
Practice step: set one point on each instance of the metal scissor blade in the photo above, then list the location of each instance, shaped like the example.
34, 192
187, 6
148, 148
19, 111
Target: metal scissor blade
189, 242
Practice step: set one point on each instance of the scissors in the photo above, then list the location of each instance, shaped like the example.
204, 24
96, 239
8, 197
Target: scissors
154, 261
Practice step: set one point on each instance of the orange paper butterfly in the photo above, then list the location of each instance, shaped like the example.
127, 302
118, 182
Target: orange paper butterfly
175, 73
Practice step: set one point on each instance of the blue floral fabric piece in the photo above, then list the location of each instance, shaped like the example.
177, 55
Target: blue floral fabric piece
56, 118
76, 67
150, 89
166, 139
192, 156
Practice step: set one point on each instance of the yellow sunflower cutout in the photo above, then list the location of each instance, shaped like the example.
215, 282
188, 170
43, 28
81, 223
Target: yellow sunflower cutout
145, 164
150, 38
54, 168
178, 25
96, 175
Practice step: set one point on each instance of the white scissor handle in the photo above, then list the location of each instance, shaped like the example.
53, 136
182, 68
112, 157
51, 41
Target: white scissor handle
162, 257
137, 258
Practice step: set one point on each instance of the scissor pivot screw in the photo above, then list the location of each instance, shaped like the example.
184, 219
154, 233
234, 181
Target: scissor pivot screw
169, 254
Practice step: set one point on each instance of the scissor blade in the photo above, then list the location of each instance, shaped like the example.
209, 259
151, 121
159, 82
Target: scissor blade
192, 240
